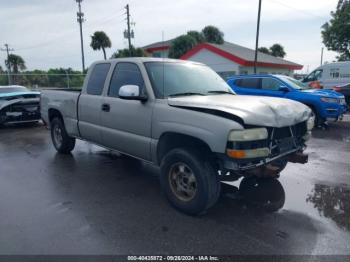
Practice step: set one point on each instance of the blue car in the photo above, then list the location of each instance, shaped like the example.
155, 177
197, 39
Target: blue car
325, 104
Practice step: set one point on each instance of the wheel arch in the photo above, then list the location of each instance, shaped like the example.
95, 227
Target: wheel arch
171, 140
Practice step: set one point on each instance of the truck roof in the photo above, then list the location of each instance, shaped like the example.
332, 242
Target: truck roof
149, 59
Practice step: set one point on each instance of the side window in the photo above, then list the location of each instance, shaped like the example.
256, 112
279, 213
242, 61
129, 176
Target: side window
318, 74
270, 84
125, 74
248, 83
97, 79
334, 73
315, 75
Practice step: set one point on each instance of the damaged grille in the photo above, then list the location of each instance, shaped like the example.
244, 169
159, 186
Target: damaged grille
286, 138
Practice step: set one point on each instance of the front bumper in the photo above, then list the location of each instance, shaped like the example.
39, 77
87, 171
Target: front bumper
284, 142
333, 112
20, 113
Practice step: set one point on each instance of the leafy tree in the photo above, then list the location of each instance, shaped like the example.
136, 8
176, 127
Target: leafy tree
196, 35
135, 52
213, 35
99, 40
181, 45
264, 50
336, 32
277, 50
16, 63
3, 77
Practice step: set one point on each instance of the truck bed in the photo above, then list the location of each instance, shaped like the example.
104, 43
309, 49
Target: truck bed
66, 102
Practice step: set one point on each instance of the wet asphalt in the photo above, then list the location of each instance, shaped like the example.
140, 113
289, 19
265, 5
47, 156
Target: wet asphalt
97, 202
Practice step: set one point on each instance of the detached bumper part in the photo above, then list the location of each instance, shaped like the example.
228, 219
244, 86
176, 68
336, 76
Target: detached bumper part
298, 157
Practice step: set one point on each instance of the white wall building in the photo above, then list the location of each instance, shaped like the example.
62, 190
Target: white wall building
229, 59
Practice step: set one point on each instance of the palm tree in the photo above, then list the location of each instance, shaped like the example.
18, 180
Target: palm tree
99, 40
15, 63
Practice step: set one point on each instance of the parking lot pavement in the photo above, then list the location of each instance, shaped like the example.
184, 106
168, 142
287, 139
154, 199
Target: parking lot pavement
96, 202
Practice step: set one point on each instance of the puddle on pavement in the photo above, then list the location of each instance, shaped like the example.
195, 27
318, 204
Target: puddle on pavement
325, 202
328, 203
332, 202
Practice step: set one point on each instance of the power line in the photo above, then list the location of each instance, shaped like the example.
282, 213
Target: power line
7, 50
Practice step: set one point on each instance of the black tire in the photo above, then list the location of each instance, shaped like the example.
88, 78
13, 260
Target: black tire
206, 188
64, 145
318, 120
264, 193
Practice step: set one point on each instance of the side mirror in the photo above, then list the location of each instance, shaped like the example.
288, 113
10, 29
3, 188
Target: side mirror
283, 89
131, 92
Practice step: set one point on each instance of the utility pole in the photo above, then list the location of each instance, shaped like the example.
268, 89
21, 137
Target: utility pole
321, 56
7, 49
128, 24
80, 19
257, 38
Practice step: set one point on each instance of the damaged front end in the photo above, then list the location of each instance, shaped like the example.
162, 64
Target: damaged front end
267, 155
20, 109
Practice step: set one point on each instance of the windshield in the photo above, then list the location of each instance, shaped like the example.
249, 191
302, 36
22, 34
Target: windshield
4, 90
296, 84
171, 79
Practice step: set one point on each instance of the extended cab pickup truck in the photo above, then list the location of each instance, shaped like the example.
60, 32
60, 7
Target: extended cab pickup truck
183, 117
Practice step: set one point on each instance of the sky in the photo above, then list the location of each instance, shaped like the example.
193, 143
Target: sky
46, 33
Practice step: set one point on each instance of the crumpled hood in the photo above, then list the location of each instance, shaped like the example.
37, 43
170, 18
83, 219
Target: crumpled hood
19, 94
323, 92
253, 110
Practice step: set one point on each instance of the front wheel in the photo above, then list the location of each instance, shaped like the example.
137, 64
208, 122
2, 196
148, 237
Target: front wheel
63, 143
189, 181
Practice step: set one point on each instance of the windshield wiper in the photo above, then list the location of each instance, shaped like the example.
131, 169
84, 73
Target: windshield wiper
187, 94
221, 92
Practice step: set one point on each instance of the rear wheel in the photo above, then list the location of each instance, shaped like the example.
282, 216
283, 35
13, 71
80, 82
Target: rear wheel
189, 181
63, 143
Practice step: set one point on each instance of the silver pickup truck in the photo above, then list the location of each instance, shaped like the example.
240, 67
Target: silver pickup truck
183, 117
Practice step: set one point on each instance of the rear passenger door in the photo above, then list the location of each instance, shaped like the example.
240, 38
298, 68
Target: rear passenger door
247, 86
127, 123
90, 103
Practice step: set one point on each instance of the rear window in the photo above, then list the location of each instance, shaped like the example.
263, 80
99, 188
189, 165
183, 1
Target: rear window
248, 83
97, 79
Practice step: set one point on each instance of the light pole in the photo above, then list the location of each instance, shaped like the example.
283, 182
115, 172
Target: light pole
257, 38
80, 19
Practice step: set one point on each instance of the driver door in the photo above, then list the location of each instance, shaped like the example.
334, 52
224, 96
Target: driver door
271, 87
126, 124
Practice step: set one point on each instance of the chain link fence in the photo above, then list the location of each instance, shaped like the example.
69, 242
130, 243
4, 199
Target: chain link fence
43, 80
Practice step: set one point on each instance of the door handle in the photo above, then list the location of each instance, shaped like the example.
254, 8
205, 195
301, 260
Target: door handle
106, 107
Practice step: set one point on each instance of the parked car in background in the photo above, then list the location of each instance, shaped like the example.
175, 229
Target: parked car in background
18, 105
329, 75
325, 104
345, 90
183, 117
